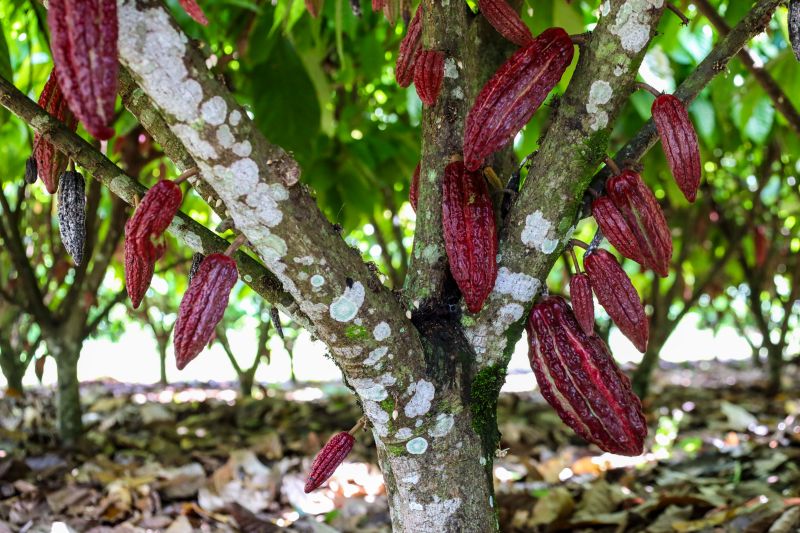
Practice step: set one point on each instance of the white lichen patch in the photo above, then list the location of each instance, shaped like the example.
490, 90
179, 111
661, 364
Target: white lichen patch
478, 337
537, 228
404, 434
306, 260
440, 511
235, 117
507, 315
348, 351
317, 281
605, 8
632, 24
442, 426
225, 137
376, 355
410, 479
378, 417
345, 307
373, 389
382, 331
599, 94
450, 68
549, 246
422, 395
198, 146
417, 446
214, 110
431, 254
619, 70
521, 287
242, 149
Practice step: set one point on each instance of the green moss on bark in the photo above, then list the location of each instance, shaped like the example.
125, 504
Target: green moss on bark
483, 403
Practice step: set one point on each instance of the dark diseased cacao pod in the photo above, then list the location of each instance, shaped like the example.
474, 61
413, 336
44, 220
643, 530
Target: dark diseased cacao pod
615, 228
328, 459
72, 214
616, 294
153, 216
194, 10
794, 26
580, 293
413, 190
84, 46
513, 94
50, 163
138, 270
31, 170
197, 258
679, 141
409, 48
203, 305
428, 75
470, 234
506, 21
761, 245
579, 378
640, 209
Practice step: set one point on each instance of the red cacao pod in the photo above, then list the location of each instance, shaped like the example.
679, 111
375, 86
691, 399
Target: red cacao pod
203, 305
378, 5
84, 46
413, 190
409, 49
194, 10
470, 234
615, 228
138, 270
506, 21
579, 378
679, 141
580, 293
761, 245
428, 75
153, 216
328, 459
50, 163
640, 209
616, 294
513, 94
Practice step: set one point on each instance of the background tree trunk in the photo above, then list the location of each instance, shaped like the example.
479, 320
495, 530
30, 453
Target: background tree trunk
68, 400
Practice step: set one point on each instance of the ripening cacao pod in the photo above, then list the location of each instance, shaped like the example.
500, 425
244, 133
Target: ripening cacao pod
138, 270
84, 46
409, 48
31, 170
761, 245
413, 190
152, 217
328, 459
197, 258
615, 228
616, 294
679, 141
377, 5
578, 377
794, 26
470, 234
640, 209
428, 75
513, 94
506, 21
580, 293
203, 305
194, 10
72, 213
50, 163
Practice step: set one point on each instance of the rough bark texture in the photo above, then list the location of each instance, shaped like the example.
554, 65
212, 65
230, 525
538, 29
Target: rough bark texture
68, 396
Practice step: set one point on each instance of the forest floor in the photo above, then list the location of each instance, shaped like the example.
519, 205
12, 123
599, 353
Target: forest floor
721, 456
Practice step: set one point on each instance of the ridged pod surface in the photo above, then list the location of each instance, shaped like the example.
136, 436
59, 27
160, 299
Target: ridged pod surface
84, 46
679, 141
409, 48
50, 163
470, 233
153, 216
615, 228
761, 245
413, 190
617, 295
72, 214
513, 94
138, 270
506, 21
579, 378
202, 306
640, 209
580, 294
328, 459
794, 26
428, 75
194, 10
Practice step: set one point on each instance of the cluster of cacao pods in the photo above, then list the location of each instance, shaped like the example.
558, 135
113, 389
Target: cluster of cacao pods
49, 162
424, 67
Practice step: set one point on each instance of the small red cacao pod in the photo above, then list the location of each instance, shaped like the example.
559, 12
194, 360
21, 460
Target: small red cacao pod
50, 163
470, 233
428, 75
138, 270
640, 209
615, 228
580, 293
413, 190
513, 94
84, 46
506, 21
578, 377
328, 459
194, 10
153, 217
409, 48
617, 295
203, 305
761, 245
679, 141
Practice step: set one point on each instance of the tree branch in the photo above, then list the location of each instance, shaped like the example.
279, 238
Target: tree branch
103, 313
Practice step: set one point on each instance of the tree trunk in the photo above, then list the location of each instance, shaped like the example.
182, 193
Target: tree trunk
68, 400
775, 365
162, 361
246, 383
13, 369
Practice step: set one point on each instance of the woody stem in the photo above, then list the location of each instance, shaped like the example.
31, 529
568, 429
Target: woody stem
237, 242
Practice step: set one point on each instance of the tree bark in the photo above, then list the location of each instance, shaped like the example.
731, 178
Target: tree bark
68, 399
162, 362
775, 366
13, 369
